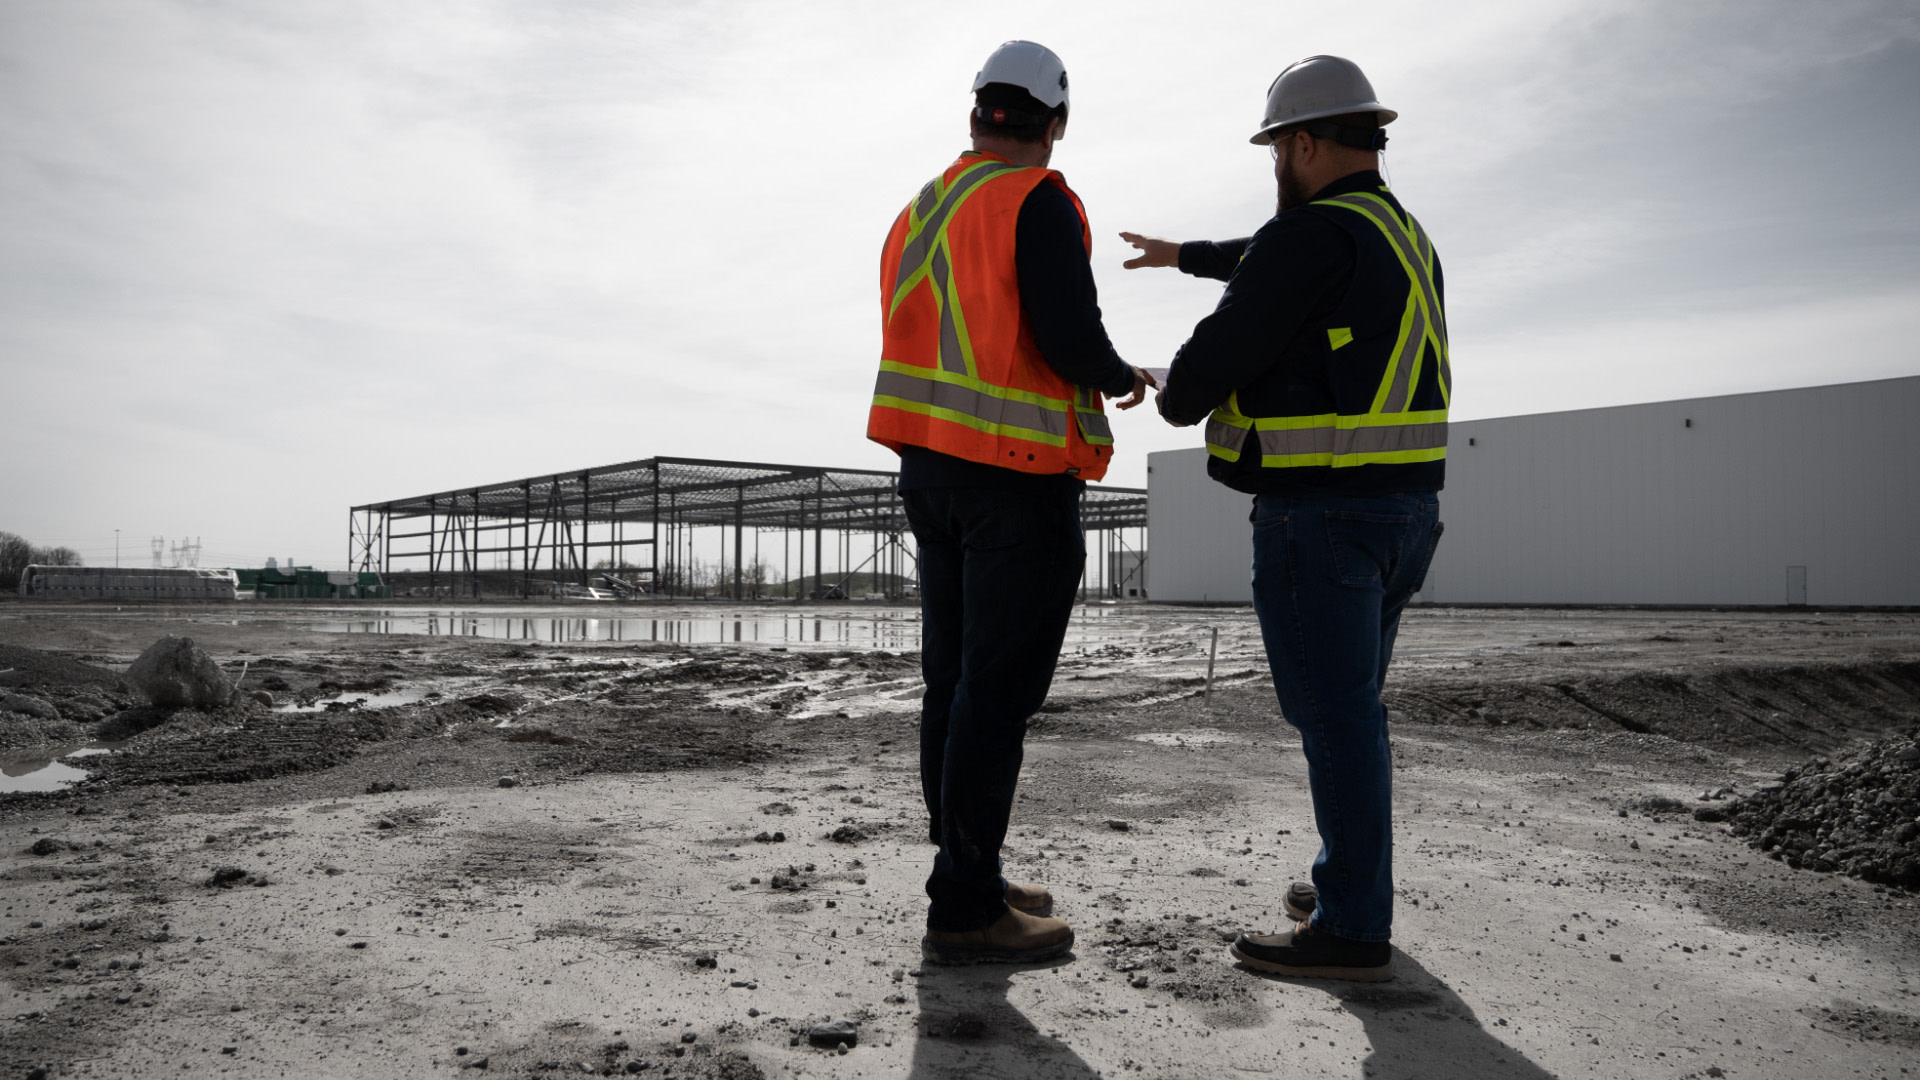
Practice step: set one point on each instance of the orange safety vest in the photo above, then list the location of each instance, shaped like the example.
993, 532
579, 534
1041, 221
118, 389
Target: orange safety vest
959, 370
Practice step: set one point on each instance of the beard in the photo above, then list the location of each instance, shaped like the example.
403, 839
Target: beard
1293, 191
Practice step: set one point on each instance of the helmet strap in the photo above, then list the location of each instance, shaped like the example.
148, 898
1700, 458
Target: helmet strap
999, 116
1358, 138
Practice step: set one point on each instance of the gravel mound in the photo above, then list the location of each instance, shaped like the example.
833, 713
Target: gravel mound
1859, 817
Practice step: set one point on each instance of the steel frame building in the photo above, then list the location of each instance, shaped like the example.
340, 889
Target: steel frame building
641, 518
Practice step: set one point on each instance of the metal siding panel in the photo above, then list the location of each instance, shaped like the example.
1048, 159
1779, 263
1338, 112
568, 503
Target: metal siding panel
1628, 505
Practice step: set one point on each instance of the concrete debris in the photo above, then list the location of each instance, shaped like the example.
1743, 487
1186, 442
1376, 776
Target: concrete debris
176, 673
31, 706
834, 1033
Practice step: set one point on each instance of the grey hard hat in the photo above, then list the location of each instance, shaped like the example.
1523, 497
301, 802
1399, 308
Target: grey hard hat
1317, 87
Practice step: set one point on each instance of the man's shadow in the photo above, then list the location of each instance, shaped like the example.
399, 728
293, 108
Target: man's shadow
968, 1028
1418, 1026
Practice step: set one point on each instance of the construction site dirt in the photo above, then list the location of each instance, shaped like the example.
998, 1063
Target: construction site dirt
435, 853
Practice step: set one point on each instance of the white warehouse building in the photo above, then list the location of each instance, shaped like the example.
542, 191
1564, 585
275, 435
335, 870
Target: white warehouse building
1807, 496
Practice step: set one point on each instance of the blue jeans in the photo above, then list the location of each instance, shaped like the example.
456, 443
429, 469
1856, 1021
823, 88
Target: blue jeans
1330, 577
998, 571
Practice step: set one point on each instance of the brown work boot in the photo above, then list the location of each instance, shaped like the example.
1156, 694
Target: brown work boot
1018, 938
1032, 899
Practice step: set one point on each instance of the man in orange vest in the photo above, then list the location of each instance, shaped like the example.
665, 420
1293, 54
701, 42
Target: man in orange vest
993, 363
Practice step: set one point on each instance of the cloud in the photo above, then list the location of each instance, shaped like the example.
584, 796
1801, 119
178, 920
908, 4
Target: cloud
265, 262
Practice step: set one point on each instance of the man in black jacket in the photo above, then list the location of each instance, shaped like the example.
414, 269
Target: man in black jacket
1323, 377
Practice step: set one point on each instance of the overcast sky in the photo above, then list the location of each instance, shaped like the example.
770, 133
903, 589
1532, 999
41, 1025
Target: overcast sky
261, 262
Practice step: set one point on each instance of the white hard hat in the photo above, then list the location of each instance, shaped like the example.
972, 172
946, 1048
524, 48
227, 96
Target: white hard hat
1318, 87
1029, 66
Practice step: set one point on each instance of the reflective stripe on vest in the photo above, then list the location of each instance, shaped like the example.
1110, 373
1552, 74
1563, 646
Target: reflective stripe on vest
1388, 433
925, 257
980, 405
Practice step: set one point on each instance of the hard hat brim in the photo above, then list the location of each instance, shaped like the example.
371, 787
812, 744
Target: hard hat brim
1264, 136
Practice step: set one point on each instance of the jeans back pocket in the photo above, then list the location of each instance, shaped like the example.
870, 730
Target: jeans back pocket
1365, 547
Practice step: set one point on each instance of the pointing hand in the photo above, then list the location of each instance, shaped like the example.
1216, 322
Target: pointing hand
1153, 251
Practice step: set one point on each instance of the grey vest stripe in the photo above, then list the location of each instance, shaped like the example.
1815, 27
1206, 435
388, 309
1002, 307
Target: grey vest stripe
951, 357
1225, 435
1403, 364
1094, 425
930, 224
1343, 441
963, 399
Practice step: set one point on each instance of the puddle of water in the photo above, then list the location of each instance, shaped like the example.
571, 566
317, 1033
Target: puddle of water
1194, 737
46, 770
379, 699
880, 632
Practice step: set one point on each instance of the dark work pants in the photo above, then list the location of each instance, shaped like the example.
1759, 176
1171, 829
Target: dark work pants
998, 571
1330, 578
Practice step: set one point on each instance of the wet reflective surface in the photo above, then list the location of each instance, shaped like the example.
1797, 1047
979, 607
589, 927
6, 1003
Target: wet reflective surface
46, 768
891, 630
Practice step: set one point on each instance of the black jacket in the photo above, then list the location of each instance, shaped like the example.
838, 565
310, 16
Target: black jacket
1307, 270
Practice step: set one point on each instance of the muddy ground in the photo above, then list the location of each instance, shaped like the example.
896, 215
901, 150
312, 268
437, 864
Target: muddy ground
700, 851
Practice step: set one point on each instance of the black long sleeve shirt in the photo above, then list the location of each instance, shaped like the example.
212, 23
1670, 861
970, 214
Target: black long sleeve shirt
1062, 307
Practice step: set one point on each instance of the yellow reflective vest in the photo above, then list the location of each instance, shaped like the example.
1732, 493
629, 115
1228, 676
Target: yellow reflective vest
1388, 341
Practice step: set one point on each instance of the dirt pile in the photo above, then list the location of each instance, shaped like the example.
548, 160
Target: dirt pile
45, 697
1860, 817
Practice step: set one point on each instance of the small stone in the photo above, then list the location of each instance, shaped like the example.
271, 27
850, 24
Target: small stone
1118, 825
834, 1033
1139, 982
1615, 957
688, 1036
340, 932
459, 1051
47, 845
226, 877
507, 781
35, 924
706, 960
384, 823
847, 834
358, 945
753, 1012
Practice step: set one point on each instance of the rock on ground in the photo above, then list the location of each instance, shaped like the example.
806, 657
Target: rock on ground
174, 672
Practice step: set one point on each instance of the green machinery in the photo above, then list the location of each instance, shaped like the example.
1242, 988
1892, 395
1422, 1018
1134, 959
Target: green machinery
306, 583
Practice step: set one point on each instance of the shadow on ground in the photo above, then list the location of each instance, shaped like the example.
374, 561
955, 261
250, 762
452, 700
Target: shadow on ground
968, 1028
1417, 1026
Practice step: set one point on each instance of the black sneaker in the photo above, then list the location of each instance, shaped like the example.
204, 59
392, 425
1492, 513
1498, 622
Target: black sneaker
1306, 953
1300, 901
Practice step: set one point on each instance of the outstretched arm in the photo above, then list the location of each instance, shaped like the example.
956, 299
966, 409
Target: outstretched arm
1214, 259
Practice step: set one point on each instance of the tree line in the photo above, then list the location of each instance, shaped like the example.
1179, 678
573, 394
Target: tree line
16, 554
